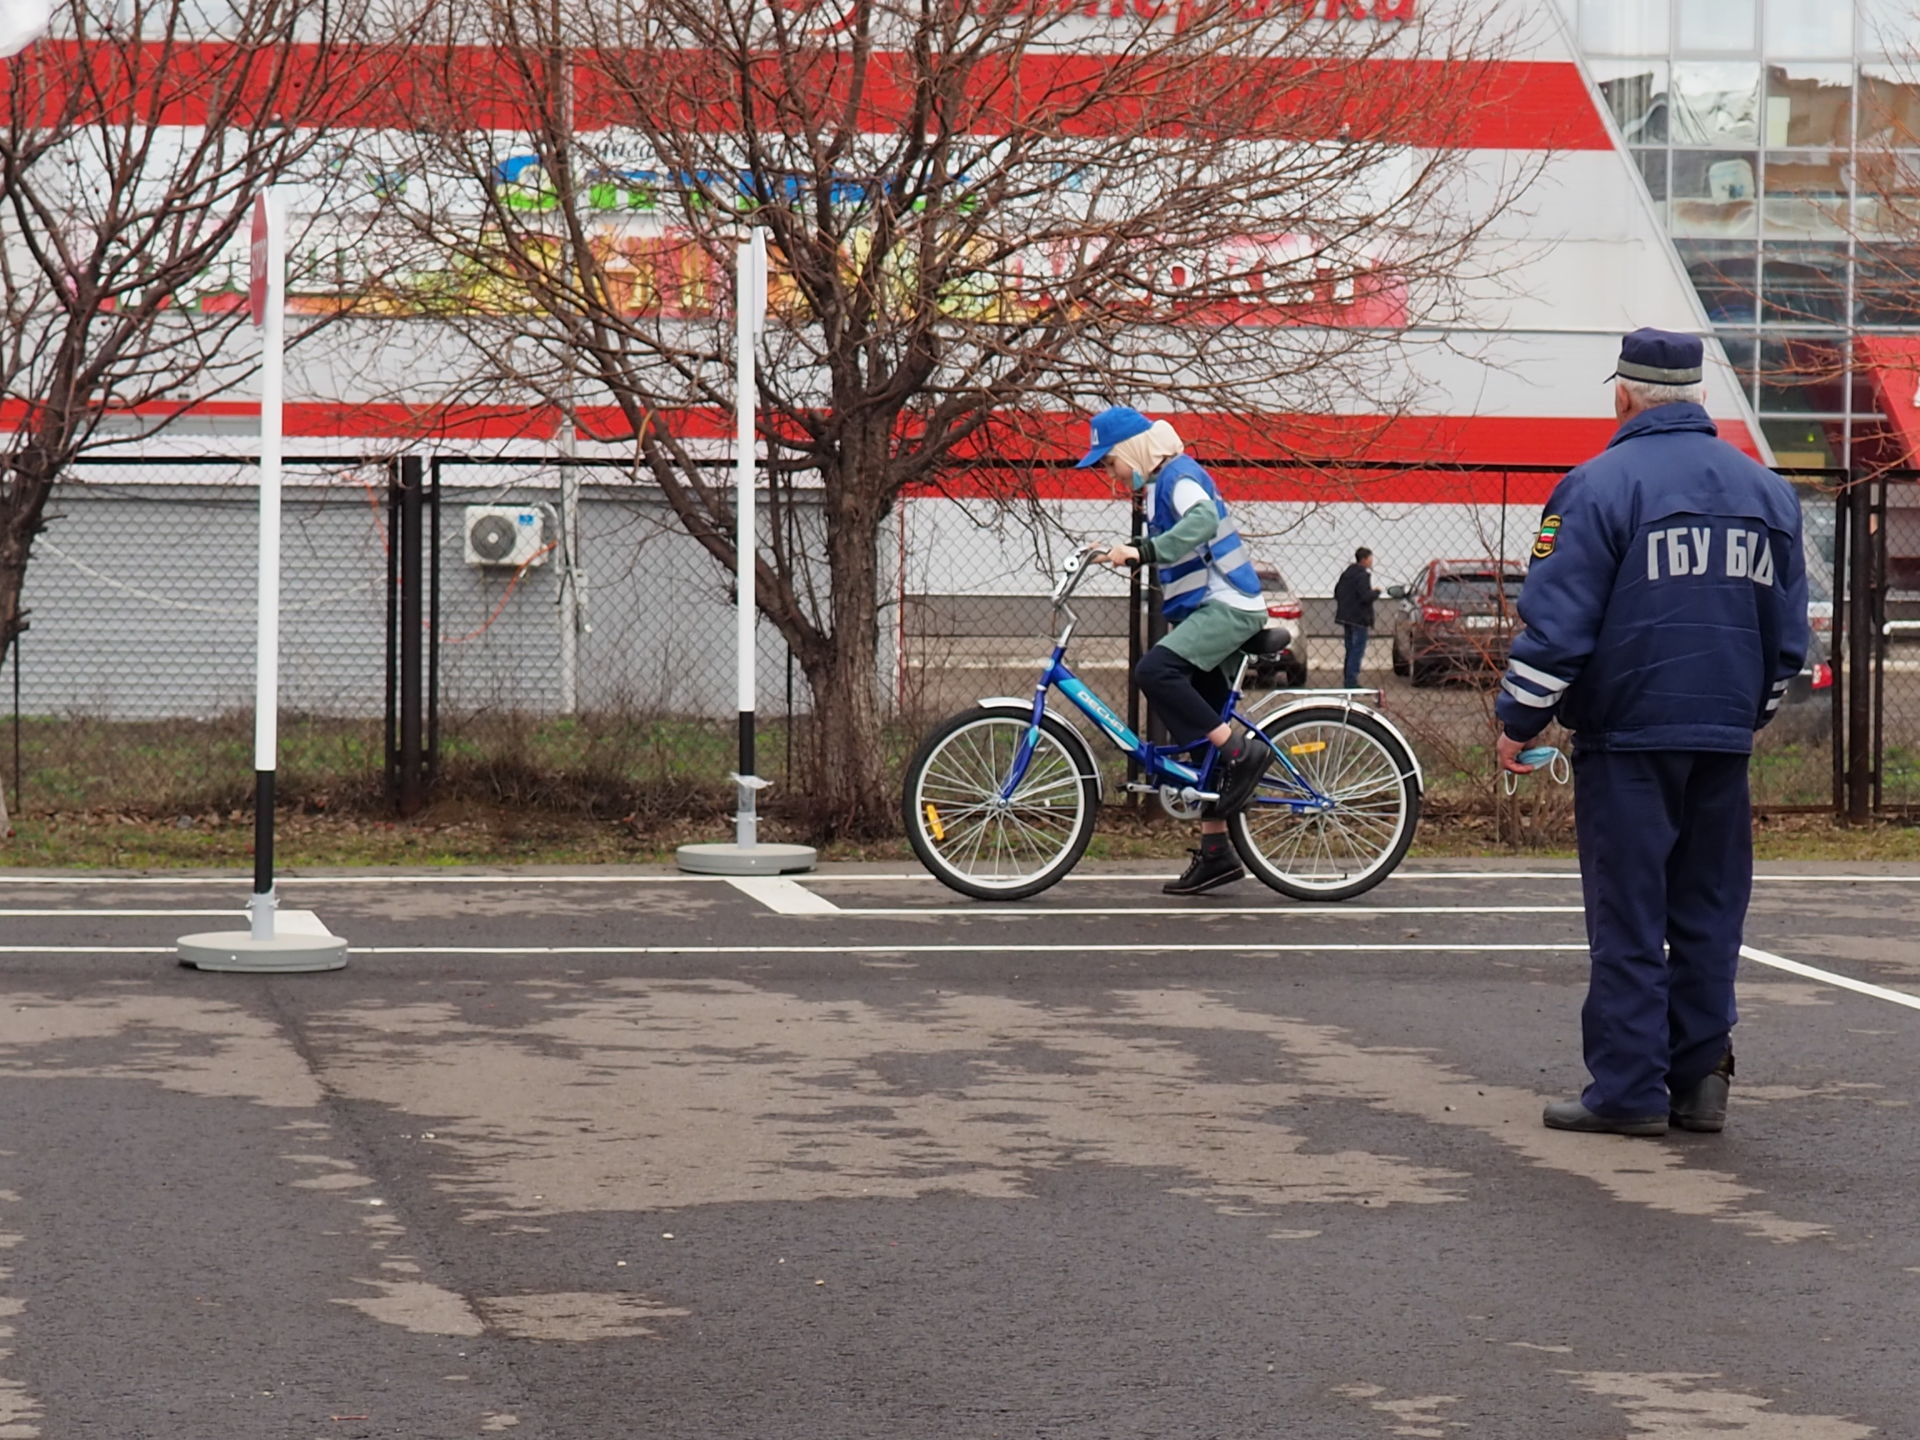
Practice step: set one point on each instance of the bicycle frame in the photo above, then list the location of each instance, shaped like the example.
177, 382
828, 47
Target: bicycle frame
1157, 761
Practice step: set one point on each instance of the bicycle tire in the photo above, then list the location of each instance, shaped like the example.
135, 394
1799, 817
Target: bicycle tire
1362, 766
966, 837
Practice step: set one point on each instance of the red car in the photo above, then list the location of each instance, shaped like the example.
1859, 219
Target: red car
1455, 617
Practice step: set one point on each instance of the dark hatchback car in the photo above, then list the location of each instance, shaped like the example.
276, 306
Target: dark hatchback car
1288, 667
1455, 617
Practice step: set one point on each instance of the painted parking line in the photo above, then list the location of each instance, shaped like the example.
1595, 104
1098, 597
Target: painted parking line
782, 896
1828, 977
1279, 909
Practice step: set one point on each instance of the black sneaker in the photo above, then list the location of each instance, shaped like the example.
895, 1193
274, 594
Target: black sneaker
1207, 872
1236, 774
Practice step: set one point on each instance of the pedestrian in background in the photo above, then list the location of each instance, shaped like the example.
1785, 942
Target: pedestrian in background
1353, 597
1665, 611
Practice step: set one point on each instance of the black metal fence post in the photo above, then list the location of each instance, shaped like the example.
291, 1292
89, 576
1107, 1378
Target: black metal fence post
1860, 644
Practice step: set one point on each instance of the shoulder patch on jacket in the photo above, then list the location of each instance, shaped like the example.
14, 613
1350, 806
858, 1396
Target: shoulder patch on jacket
1544, 541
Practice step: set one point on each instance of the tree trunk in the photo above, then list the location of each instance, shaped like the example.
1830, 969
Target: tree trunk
25, 484
848, 788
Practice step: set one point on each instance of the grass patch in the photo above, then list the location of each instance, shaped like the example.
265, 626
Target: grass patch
567, 790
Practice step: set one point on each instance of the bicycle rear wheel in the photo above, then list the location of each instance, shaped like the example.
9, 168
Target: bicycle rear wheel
980, 844
1358, 831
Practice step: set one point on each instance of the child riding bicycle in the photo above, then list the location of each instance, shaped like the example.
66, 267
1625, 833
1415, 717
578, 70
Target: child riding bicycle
1212, 599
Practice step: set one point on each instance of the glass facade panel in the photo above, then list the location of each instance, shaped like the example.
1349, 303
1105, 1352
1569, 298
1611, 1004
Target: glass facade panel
1743, 351
1809, 29
1714, 25
1805, 196
1623, 27
1803, 283
1726, 276
1638, 98
1803, 374
1653, 173
1809, 105
1714, 192
1889, 108
1800, 444
1884, 27
1715, 102
1886, 284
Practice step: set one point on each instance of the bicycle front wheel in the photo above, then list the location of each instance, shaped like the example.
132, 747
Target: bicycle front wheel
990, 846
1349, 825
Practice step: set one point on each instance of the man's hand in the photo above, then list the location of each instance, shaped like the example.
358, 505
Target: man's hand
1118, 555
1509, 750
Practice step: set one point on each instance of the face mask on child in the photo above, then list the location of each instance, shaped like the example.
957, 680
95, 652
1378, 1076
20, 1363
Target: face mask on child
1138, 481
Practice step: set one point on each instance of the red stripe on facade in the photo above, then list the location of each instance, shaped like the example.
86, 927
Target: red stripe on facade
1451, 104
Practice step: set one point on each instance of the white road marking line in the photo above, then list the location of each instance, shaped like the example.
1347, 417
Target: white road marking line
781, 895
963, 910
1255, 948
1845, 982
242, 881
112, 914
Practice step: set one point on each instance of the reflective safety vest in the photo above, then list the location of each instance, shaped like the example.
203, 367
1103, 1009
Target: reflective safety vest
1183, 582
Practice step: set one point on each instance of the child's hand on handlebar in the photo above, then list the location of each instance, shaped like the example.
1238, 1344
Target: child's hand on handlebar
1118, 555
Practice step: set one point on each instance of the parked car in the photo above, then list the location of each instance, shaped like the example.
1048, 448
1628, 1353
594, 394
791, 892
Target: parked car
1288, 668
1455, 616
1806, 710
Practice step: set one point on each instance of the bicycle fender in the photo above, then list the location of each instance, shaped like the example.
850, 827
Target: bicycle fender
1336, 702
1024, 704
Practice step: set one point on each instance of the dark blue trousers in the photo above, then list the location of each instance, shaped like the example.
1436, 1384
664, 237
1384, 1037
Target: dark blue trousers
1666, 868
1356, 652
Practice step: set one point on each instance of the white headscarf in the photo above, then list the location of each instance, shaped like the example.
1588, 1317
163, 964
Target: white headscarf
1150, 449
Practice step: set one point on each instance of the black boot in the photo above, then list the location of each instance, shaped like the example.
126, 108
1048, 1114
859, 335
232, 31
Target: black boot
1214, 864
1703, 1105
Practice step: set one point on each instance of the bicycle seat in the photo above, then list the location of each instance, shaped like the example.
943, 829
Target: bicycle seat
1270, 641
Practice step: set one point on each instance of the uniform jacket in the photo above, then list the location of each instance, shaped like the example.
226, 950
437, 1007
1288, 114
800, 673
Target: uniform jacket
1353, 597
1183, 578
1666, 605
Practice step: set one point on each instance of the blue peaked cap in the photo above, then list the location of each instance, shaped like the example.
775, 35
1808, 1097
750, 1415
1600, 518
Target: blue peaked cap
1660, 357
1110, 427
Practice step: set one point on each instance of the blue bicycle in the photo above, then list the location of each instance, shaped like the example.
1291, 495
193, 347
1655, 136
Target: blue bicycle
1001, 800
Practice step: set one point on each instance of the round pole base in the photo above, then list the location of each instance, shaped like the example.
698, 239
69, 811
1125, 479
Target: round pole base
732, 859
282, 955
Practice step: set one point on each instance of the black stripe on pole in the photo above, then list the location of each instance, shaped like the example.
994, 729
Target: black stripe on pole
746, 743
263, 832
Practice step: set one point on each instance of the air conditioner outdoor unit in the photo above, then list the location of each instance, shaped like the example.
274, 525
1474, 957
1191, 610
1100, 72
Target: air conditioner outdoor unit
507, 535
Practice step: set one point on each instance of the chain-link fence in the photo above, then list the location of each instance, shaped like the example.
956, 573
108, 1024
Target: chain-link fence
585, 644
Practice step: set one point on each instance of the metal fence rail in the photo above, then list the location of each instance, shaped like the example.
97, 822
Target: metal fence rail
142, 605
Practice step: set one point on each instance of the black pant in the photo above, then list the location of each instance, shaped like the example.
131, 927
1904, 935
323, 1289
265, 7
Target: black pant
1187, 699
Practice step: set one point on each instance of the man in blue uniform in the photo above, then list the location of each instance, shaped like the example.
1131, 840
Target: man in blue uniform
1665, 610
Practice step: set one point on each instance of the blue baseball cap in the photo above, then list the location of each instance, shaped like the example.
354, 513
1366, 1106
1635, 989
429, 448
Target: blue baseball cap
1660, 357
1110, 427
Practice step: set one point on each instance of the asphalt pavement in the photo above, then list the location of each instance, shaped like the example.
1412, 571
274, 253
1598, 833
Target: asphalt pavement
847, 1157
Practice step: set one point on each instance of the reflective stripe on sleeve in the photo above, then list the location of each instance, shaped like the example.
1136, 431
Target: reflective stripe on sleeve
1527, 697
1552, 684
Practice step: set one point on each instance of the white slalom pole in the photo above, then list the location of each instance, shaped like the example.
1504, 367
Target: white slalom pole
269, 229
307, 945
750, 266
746, 855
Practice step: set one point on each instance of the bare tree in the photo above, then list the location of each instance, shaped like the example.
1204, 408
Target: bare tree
982, 213
132, 144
